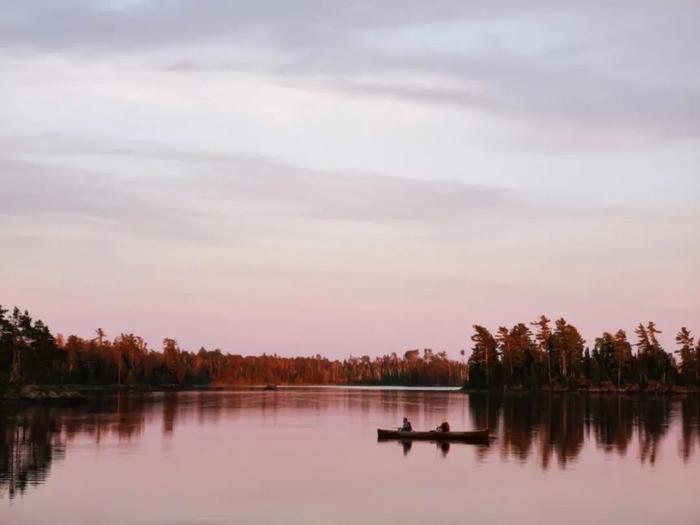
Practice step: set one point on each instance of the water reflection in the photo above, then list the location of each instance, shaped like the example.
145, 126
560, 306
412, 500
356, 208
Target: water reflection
556, 427
545, 429
442, 446
30, 442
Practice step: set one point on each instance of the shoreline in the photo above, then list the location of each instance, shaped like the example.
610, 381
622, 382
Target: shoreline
44, 394
81, 394
665, 391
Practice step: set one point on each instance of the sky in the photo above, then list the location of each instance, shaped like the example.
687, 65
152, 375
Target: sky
349, 178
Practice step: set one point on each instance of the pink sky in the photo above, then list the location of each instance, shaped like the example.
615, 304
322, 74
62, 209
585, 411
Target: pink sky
275, 182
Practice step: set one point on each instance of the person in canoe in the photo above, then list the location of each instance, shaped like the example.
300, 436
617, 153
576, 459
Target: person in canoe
406, 426
443, 427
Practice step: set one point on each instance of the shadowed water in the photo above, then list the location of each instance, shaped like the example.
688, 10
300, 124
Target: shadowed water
310, 455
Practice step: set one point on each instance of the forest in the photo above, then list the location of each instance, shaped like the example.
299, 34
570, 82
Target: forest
31, 354
556, 357
538, 355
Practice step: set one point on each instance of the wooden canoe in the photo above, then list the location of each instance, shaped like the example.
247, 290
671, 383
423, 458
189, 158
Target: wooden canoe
433, 435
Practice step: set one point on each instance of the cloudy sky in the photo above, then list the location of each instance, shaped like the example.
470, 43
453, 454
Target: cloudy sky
349, 177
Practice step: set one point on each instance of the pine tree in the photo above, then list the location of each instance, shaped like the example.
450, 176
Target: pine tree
543, 337
604, 354
622, 351
514, 346
644, 349
686, 352
484, 358
505, 348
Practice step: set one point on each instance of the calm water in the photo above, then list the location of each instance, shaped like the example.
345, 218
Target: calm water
311, 456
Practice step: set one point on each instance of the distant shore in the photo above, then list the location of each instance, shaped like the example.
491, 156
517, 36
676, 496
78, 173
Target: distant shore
629, 390
546, 358
80, 394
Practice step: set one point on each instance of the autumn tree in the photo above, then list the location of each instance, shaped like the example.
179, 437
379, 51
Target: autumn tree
567, 346
171, 360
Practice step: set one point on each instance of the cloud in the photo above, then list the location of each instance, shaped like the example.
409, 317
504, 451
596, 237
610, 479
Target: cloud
212, 187
628, 66
150, 184
150, 23
60, 198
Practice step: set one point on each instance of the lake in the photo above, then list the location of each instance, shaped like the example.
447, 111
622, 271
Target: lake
311, 456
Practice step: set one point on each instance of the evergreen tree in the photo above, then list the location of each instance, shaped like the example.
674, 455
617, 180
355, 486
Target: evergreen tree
543, 337
644, 349
604, 355
622, 351
686, 352
484, 358
515, 347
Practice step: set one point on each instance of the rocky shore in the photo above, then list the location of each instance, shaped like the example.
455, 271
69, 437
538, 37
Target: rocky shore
44, 394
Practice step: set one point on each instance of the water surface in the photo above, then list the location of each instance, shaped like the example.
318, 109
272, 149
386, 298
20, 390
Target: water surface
310, 456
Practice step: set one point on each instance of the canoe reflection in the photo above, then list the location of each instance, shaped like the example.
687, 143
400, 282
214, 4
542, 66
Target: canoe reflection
442, 446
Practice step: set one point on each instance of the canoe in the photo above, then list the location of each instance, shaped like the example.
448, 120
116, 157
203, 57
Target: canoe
433, 435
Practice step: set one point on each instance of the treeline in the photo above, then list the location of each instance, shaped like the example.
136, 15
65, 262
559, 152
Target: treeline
539, 355
31, 354
555, 356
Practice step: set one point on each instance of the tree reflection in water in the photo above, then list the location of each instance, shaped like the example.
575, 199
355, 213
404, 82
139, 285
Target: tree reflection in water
529, 427
556, 426
31, 441
35, 436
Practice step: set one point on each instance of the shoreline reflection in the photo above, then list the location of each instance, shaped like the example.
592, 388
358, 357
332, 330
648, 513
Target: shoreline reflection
540, 428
